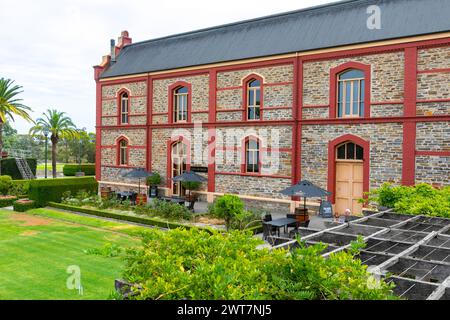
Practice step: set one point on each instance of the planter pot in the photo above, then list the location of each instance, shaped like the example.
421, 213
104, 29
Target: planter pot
141, 199
105, 192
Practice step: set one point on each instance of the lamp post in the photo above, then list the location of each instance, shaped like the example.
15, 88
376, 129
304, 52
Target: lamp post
46, 132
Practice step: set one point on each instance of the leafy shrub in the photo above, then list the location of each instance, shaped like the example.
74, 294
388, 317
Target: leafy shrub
191, 264
228, 207
154, 179
45, 190
71, 169
108, 250
421, 199
7, 201
5, 184
19, 188
23, 205
9, 167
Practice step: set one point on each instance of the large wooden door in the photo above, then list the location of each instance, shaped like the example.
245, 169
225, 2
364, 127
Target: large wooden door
349, 186
179, 166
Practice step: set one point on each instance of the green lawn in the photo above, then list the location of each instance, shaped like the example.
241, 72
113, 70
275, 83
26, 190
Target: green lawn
59, 167
35, 252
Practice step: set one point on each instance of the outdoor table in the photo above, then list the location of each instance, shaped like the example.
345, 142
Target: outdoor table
281, 223
178, 200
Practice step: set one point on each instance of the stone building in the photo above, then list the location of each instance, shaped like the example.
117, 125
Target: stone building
346, 95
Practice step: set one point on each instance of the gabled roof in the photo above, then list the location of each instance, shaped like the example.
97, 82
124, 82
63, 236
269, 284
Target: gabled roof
331, 25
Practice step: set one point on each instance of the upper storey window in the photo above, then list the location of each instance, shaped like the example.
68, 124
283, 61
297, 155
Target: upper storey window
252, 160
124, 108
180, 104
350, 99
254, 100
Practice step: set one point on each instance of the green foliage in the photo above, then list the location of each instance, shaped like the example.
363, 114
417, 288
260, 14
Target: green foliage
87, 168
191, 264
108, 250
421, 199
228, 207
154, 179
23, 205
9, 167
5, 184
19, 188
7, 201
46, 190
10, 104
190, 185
121, 216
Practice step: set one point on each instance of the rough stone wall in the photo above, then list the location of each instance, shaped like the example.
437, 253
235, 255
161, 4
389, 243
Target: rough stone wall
433, 86
433, 109
315, 113
433, 58
387, 77
434, 170
135, 89
136, 137
433, 136
385, 150
252, 186
200, 93
278, 92
387, 110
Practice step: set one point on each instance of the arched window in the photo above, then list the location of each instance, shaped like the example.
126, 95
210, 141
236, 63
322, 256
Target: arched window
124, 108
350, 151
123, 152
350, 99
252, 161
254, 99
180, 104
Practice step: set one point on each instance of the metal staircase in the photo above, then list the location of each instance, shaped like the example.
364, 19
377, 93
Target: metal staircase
22, 164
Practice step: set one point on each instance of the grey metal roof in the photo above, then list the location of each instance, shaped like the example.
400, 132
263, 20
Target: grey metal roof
331, 25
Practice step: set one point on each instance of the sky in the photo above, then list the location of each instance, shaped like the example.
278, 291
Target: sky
50, 46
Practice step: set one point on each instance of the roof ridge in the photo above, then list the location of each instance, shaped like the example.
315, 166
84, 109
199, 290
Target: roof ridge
316, 8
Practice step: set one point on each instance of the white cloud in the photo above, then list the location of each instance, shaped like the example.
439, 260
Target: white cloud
50, 46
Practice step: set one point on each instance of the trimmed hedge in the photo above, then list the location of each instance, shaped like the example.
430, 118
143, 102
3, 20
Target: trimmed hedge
9, 167
7, 201
71, 169
20, 188
124, 217
44, 191
23, 205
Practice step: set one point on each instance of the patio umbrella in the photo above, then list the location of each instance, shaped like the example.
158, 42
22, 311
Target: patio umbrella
305, 189
139, 173
189, 176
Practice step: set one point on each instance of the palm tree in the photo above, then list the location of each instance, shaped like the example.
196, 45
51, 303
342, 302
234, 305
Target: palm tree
10, 106
59, 126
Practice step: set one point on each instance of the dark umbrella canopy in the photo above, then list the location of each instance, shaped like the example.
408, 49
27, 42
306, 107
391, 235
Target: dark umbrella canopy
139, 173
189, 176
305, 189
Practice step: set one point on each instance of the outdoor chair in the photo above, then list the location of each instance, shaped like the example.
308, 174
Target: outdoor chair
272, 229
268, 230
294, 225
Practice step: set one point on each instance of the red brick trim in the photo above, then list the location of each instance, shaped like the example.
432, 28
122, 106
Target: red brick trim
433, 101
170, 143
316, 106
172, 88
244, 158
212, 101
243, 174
334, 73
409, 128
332, 162
211, 160
245, 83
199, 111
433, 153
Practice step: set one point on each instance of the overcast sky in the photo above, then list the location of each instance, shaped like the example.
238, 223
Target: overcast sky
50, 46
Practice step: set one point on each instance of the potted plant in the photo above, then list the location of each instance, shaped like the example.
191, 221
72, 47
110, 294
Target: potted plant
191, 186
152, 182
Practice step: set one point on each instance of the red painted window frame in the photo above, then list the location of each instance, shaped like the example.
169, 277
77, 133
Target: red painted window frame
334, 74
332, 146
171, 93
244, 155
245, 83
170, 144
119, 106
118, 141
